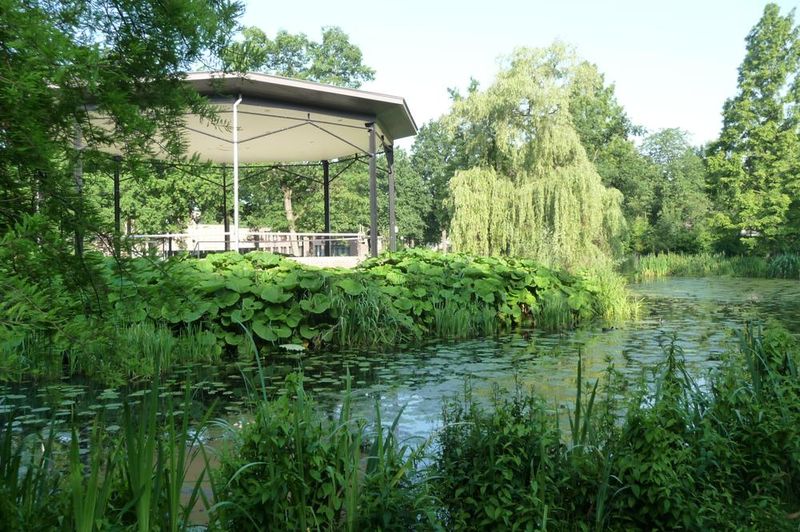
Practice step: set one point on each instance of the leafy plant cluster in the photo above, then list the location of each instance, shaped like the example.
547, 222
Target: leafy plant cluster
294, 469
395, 298
131, 476
681, 458
186, 310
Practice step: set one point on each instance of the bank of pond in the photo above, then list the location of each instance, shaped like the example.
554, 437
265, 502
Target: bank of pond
560, 412
667, 451
209, 310
784, 265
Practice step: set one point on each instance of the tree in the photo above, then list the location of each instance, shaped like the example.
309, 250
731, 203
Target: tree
334, 60
754, 166
605, 131
127, 58
534, 192
436, 155
680, 214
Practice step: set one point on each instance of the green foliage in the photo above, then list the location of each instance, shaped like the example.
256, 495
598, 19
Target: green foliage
334, 60
436, 155
187, 310
29, 480
679, 211
533, 191
496, 467
725, 456
719, 456
133, 478
753, 166
128, 57
784, 265
294, 469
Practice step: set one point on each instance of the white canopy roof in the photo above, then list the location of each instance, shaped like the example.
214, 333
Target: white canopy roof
285, 120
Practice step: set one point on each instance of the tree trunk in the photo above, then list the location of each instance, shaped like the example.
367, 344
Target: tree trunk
290, 219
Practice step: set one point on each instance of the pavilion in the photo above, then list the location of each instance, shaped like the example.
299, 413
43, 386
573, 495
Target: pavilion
271, 119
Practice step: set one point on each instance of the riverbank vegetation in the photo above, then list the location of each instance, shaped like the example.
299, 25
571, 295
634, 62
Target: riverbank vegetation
649, 267
666, 453
183, 310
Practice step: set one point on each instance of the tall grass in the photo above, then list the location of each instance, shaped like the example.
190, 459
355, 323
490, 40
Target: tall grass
30, 481
368, 319
131, 479
294, 469
649, 267
454, 320
669, 454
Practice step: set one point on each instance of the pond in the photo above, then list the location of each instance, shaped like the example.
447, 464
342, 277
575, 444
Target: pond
699, 313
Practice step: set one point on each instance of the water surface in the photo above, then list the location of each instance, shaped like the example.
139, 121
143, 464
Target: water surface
700, 314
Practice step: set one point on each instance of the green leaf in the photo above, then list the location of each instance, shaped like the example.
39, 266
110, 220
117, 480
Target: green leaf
403, 303
350, 286
226, 298
308, 332
275, 294
317, 304
238, 284
312, 283
264, 330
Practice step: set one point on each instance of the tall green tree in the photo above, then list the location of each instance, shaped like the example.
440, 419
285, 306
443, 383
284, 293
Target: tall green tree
606, 133
333, 60
679, 220
754, 166
600, 121
535, 192
436, 155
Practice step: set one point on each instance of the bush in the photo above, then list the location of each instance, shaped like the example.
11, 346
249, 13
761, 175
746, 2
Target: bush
294, 470
495, 468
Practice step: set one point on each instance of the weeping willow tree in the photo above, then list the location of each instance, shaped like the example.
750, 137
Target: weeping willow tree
534, 192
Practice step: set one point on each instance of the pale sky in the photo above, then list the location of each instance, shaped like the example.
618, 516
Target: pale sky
673, 63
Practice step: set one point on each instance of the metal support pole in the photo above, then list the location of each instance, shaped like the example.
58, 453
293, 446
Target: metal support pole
326, 190
392, 212
117, 223
373, 193
236, 173
226, 222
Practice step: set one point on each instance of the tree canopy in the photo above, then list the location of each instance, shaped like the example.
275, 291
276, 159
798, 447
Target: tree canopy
755, 165
533, 192
334, 60
127, 58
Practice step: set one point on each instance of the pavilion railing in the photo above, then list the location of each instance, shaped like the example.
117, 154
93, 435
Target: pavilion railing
283, 243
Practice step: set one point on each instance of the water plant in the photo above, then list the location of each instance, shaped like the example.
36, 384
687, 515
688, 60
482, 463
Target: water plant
655, 266
670, 454
293, 468
188, 310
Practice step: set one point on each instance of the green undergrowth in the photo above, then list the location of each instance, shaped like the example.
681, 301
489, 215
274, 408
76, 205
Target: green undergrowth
657, 266
721, 457
128, 474
294, 469
186, 310
666, 454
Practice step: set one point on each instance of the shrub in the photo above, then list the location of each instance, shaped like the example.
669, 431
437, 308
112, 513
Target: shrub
295, 470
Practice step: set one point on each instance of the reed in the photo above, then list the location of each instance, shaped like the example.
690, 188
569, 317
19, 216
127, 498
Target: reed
657, 266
